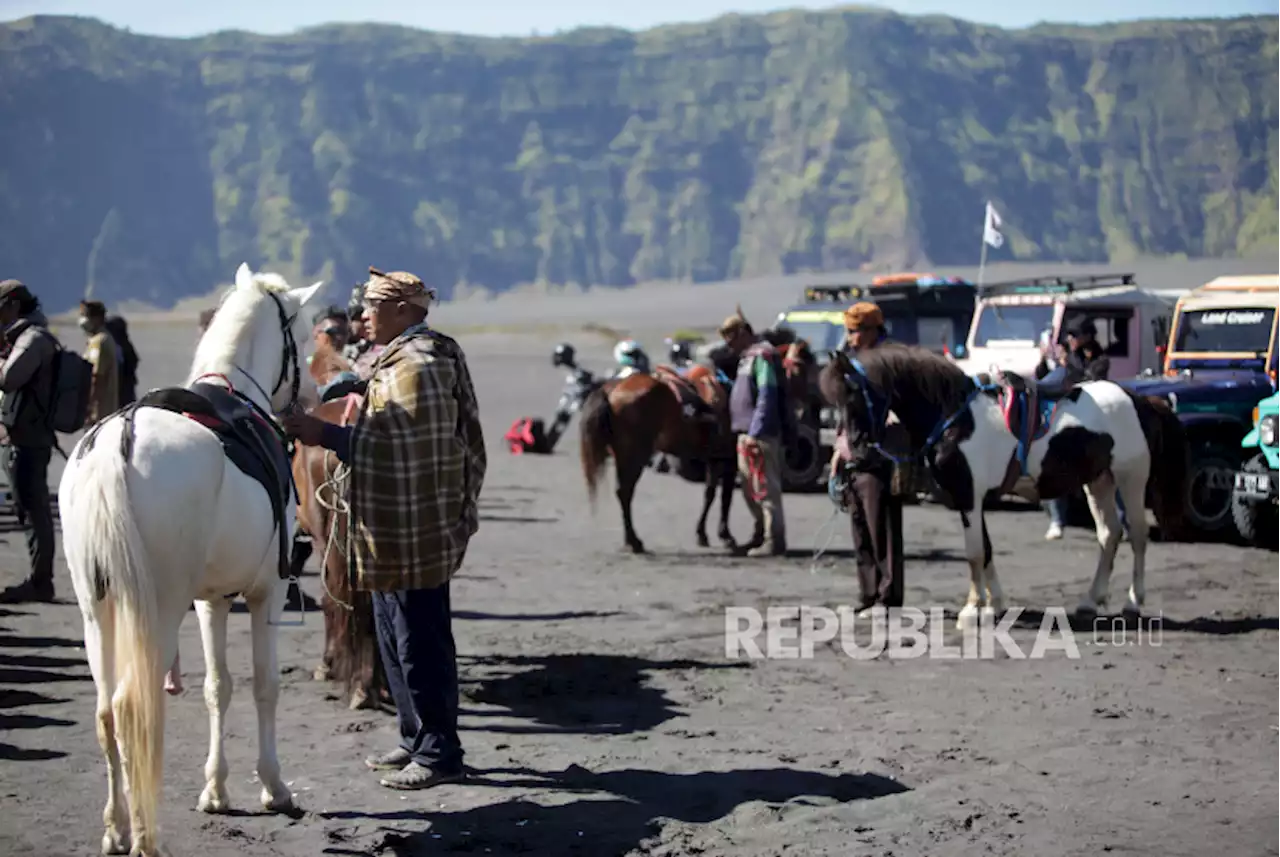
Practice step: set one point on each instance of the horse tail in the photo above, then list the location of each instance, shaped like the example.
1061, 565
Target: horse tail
595, 433
1170, 461
109, 549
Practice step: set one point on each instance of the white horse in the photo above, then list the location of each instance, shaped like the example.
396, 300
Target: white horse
1099, 437
179, 522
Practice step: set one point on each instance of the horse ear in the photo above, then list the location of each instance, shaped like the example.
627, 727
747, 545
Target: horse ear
306, 294
244, 277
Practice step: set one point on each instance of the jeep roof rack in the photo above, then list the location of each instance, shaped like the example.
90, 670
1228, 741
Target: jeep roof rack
887, 286
1058, 283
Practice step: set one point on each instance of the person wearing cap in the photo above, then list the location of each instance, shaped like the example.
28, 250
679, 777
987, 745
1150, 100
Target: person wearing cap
26, 379
1083, 353
757, 412
416, 461
875, 514
103, 355
1082, 359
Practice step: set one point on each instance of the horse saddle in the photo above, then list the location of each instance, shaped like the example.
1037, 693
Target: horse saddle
691, 404
1028, 408
249, 440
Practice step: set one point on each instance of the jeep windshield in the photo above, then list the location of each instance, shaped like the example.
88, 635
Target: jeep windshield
822, 336
1012, 326
1233, 330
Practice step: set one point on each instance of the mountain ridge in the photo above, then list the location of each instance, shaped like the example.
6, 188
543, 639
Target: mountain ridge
742, 146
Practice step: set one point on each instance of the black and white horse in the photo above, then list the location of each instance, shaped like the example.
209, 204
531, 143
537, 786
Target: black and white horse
978, 437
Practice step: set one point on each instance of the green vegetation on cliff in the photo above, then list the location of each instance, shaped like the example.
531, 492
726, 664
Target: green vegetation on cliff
150, 168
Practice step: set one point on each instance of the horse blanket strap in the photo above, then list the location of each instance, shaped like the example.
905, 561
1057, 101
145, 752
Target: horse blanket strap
252, 443
1028, 417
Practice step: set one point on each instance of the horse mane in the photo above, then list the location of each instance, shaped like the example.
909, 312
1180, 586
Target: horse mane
905, 372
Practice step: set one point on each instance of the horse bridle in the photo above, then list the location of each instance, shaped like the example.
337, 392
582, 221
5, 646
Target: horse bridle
289, 355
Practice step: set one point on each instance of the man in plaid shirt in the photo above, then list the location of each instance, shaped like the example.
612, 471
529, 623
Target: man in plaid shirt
417, 460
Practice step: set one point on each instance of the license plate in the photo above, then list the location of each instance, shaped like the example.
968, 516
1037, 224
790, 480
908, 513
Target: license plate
1253, 484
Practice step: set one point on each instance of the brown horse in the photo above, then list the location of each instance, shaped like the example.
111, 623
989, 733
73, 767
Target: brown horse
350, 640
636, 416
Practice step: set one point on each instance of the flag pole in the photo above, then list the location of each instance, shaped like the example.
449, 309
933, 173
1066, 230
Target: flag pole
982, 259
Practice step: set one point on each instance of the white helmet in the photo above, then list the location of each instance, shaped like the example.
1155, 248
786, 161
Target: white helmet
624, 352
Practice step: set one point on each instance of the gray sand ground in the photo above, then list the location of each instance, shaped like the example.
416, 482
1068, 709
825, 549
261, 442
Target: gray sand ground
602, 717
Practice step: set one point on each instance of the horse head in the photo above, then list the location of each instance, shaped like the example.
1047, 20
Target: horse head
259, 341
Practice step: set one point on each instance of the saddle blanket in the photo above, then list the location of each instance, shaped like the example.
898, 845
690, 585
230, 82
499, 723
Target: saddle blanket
252, 444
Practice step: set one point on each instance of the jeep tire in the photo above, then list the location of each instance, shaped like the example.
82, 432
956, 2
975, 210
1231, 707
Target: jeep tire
802, 461
1255, 520
1208, 507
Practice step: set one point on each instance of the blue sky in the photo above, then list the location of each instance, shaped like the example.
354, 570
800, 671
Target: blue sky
522, 17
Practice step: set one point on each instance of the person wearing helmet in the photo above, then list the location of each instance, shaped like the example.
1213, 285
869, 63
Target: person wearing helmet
875, 514
564, 355
630, 358
577, 387
680, 354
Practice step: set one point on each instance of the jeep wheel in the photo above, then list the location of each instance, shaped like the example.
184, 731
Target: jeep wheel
1210, 481
1255, 521
802, 462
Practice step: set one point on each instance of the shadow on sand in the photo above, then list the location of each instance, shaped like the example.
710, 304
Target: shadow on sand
580, 694
620, 810
18, 674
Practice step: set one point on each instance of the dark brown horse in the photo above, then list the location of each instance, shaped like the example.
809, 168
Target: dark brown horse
350, 640
641, 414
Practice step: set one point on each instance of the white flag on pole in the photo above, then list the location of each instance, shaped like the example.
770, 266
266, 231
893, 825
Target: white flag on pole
991, 229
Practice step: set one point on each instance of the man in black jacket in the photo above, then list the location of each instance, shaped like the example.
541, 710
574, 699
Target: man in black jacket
26, 379
875, 514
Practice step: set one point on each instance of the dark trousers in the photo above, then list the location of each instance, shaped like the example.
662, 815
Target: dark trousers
876, 517
415, 637
29, 470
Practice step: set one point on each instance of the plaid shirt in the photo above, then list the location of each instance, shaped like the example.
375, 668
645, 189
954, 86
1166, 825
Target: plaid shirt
417, 464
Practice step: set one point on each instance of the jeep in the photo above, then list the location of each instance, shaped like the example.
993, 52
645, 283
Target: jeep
1253, 498
1220, 360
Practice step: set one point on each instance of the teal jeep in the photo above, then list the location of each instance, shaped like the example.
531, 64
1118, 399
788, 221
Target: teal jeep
1253, 499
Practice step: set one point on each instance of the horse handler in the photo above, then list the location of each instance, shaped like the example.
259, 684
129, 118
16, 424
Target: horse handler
416, 459
875, 513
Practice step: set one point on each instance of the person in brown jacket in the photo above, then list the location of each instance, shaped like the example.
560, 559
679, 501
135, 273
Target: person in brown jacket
875, 513
103, 354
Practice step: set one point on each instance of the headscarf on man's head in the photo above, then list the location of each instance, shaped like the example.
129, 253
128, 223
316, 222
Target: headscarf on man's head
93, 309
863, 314
398, 286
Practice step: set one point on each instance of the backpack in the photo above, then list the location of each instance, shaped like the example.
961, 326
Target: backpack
72, 379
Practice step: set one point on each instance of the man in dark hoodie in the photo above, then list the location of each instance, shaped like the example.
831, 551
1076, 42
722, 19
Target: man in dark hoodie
26, 380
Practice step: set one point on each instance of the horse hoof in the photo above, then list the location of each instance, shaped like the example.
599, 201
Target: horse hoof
320, 673
967, 617
115, 842
213, 803
359, 699
1086, 611
703, 542
282, 805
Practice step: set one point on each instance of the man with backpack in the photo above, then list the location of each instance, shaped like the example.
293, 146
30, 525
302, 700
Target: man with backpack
27, 379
